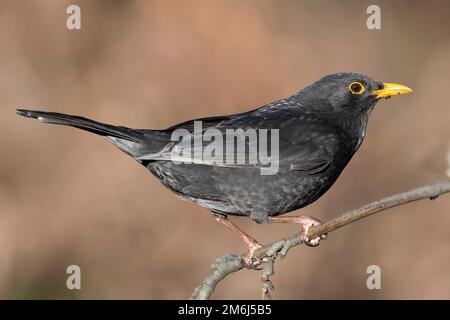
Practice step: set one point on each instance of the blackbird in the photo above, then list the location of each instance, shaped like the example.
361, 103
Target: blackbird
314, 134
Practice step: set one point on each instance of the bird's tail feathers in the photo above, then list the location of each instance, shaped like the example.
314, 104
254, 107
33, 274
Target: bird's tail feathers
84, 124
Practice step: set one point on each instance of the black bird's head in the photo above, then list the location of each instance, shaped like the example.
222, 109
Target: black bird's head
350, 95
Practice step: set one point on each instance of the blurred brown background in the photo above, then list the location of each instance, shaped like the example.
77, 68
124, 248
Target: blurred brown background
69, 197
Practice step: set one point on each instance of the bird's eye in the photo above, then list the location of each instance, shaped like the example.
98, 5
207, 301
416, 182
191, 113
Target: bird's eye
356, 88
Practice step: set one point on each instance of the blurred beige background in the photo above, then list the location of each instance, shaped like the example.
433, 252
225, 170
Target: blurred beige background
69, 197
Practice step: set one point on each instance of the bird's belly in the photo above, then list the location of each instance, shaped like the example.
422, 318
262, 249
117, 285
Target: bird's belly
289, 193
241, 191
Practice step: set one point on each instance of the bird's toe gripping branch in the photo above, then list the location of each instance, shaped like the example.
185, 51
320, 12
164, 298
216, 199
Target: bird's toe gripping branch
249, 260
304, 235
307, 223
251, 243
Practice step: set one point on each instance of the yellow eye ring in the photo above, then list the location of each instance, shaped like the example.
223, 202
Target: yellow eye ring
356, 87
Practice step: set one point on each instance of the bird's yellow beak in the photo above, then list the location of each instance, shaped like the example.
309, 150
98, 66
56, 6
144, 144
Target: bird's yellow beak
391, 89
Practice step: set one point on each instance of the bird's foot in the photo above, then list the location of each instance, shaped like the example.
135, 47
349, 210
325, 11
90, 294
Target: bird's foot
251, 243
247, 258
307, 223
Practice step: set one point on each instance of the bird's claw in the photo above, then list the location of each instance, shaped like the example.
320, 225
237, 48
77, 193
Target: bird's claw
305, 229
248, 259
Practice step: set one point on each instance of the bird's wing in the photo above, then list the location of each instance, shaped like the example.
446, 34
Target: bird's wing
304, 146
310, 166
310, 146
206, 123
241, 130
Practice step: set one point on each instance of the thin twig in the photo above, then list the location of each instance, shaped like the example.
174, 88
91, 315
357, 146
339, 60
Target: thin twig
267, 285
278, 249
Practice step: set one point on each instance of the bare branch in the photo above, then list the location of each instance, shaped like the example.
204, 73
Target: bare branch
220, 269
278, 249
267, 285
431, 192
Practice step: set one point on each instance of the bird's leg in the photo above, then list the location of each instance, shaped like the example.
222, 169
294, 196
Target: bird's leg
251, 243
306, 222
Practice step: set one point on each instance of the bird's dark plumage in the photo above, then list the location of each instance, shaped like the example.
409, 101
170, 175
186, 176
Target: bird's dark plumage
320, 128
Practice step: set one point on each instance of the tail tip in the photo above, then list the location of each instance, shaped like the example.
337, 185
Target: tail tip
30, 114
24, 113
